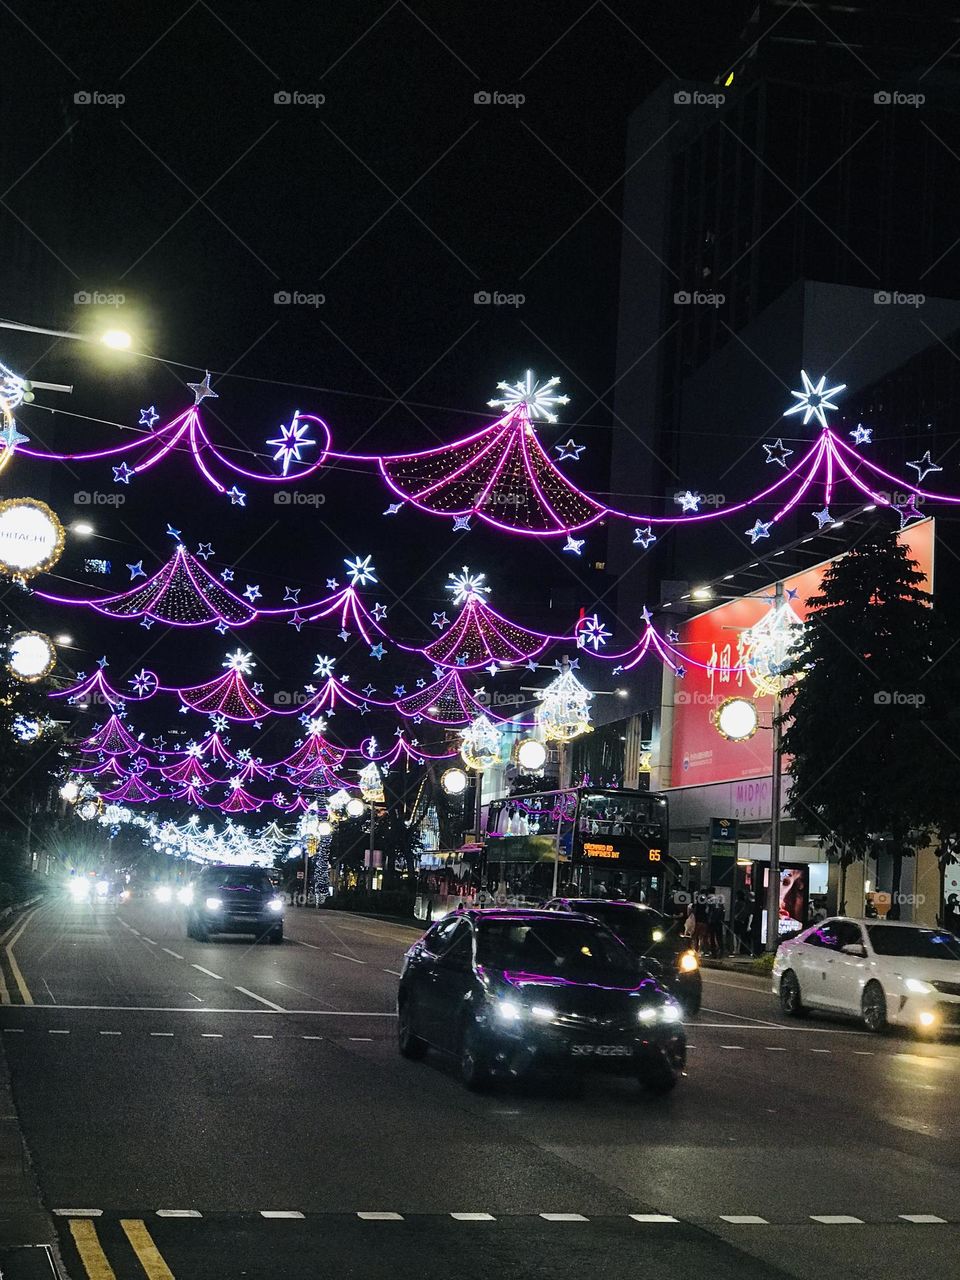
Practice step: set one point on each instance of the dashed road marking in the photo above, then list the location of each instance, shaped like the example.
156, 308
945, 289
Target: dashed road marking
352, 959
369, 1216
263, 1037
146, 939
263, 999
564, 1217
731, 1046
361, 1039
775, 1048
311, 1037
821, 1050
397, 974
473, 1217
161, 1033
280, 1213
179, 1213
744, 1220
642, 1217
836, 1219
176, 955
13, 1031
56, 1031
921, 1217
311, 945
209, 972
111, 1033
78, 1213
211, 1035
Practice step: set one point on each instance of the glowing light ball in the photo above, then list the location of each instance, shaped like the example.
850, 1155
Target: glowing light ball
736, 719
32, 656
31, 537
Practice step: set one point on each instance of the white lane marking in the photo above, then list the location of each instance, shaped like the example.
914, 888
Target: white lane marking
53, 1031
744, 1017
564, 1217
175, 954
381, 1217
473, 1217
146, 939
179, 1213
263, 999
921, 1217
111, 1033
763, 1026
13, 1031
209, 972
311, 1037
775, 1048
211, 1035
263, 1037
341, 956
133, 930
652, 1217
362, 1039
763, 984
820, 1051
280, 1213
165, 1008
864, 1053
397, 974
744, 1220
78, 1213
836, 1219
731, 1046
311, 945
161, 1033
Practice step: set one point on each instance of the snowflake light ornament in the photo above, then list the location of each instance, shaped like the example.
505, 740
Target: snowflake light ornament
814, 399
290, 441
360, 571
467, 586
537, 399
592, 632
324, 666
240, 662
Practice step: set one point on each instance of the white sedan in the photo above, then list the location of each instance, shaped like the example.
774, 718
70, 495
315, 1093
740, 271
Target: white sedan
878, 971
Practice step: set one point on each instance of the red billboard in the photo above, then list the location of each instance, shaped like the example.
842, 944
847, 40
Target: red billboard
699, 754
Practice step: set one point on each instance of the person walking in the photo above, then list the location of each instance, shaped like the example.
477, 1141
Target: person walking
716, 915
742, 916
701, 916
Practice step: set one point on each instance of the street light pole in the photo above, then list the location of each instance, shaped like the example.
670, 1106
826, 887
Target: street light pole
773, 888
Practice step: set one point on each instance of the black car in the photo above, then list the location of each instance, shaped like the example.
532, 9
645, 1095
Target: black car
506, 991
654, 937
234, 900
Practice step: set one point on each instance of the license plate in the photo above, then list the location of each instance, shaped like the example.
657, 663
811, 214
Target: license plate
602, 1050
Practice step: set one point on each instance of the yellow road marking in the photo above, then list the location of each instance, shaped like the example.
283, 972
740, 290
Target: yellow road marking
88, 1246
150, 1256
18, 978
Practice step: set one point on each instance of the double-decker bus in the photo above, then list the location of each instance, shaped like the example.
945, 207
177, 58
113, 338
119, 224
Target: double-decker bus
582, 841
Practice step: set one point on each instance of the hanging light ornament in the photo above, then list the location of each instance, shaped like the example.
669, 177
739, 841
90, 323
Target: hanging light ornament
768, 649
564, 711
371, 783
480, 744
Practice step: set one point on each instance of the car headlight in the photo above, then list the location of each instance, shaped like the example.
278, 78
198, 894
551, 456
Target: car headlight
657, 935
688, 962
651, 1013
543, 1013
79, 889
186, 893
917, 987
275, 904
213, 904
164, 893
509, 1010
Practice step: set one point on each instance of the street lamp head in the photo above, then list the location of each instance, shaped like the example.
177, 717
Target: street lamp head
82, 528
355, 807
454, 782
116, 339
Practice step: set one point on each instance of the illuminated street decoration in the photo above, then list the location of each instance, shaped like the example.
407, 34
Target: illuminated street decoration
564, 710
31, 537
480, 744
767, 648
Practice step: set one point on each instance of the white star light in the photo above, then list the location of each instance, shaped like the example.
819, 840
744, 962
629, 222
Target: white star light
814, 399
823, 518
643, 537
467, 586
290, 441
201, 390
861, 434
592, 632
688, 501
570, 450
360, 571
759, 530
316, 726
535, 398
923, 466
240, 661
573, 545
324, 666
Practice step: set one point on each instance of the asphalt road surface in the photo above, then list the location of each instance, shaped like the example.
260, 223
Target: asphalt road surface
220, 1110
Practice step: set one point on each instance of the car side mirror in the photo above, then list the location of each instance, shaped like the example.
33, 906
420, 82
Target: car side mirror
855, 949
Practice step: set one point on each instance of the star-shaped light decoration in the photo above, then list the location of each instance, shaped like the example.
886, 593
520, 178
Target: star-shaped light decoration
240, 662
202, 390
11, 437
393, 508
777, 452
814, 399
344, 634
369, 690
122, 474
296, 621
292, 594
924, 466
324, 666
257, 687
219, 723
102, 662
461, 524
377, 651
759, 530
149, 416
537, 399
146, 623
227, 575
861, 434
673, 637
173, 533
252, 592
399, 690
137, 570
440, 620
823, 518
644, 537
646, 617
574, 545
592, 633
491, 669
221, 628
143, 682
688, 501
467, 586
360, 572
680, 672
290, 441
205, 550
379, 612
569, 450
316, 725
237, 497
907, 511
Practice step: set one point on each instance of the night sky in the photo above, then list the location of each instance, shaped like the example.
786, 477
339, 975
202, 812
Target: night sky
200, 197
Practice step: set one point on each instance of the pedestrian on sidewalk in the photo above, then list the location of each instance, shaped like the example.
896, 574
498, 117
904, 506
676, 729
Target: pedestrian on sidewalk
701, 915
742, 916
716, 915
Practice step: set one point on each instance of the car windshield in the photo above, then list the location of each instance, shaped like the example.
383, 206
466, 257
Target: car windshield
925, 944
237, 878
634, 925
574, 949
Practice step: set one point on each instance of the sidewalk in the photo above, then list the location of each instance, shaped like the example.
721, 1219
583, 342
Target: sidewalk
22, 1220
